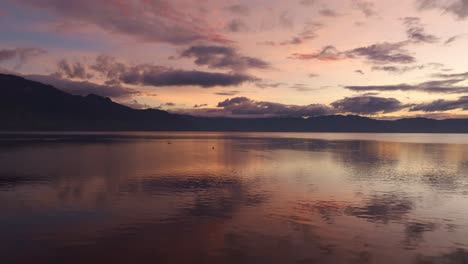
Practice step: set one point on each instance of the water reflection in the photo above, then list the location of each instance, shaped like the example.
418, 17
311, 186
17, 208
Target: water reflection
231, 198
382, 208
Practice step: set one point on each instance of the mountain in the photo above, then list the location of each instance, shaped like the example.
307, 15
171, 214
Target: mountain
29, 105
32, 106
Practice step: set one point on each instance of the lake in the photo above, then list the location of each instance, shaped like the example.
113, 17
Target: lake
233, 198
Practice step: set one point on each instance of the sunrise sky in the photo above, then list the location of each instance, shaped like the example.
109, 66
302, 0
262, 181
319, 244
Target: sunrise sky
383, 59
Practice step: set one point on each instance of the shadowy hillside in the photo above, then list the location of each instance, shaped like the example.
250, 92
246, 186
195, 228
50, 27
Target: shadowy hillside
33, 106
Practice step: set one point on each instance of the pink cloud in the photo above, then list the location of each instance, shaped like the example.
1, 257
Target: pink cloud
150, 21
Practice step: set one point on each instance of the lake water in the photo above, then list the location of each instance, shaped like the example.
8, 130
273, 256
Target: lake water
233, 198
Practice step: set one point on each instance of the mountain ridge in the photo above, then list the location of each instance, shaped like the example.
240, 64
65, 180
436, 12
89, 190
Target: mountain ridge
27, 105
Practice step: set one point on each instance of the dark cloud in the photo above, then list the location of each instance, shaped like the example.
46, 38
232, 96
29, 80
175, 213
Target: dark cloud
447, 85
7, 54
416, 32
366, 7
403, 69
359, 71
239, 9
170, 77
382, 53
244, 106
407, 87
459, 8
200, 105
397, 69
237, 25
463, 75
367, 105
84, 87
73, 70
222, 57
442, 105
153, 75
227, 93
328, 12
20, 54
158, 21
452, 39
109, 67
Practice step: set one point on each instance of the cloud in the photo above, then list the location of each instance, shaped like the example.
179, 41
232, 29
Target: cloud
442, 105
237, 25
286, 19
239, 9
359, 72
328, 53
328, 12
84, 87
20, 54
300, 87
264, 85
463, 75
72, 70
200, 105
313, 75
458, 8
244, 106
397, 69
380, 53
366, 7
222, 57
438, 86
367, 105
227, 93
452, 39
309, 32
153, 75
403, 69
416, 32
7, 54
155, 21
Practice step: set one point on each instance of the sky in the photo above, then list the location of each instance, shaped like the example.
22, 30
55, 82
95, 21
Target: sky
252, 58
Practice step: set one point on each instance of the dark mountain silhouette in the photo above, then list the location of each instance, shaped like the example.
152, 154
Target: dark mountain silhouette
32, 106
29, 105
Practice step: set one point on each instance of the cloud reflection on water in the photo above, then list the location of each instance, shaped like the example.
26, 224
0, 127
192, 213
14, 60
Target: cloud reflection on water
255, 200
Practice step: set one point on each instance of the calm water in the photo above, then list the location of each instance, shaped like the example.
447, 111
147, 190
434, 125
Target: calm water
233, 198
